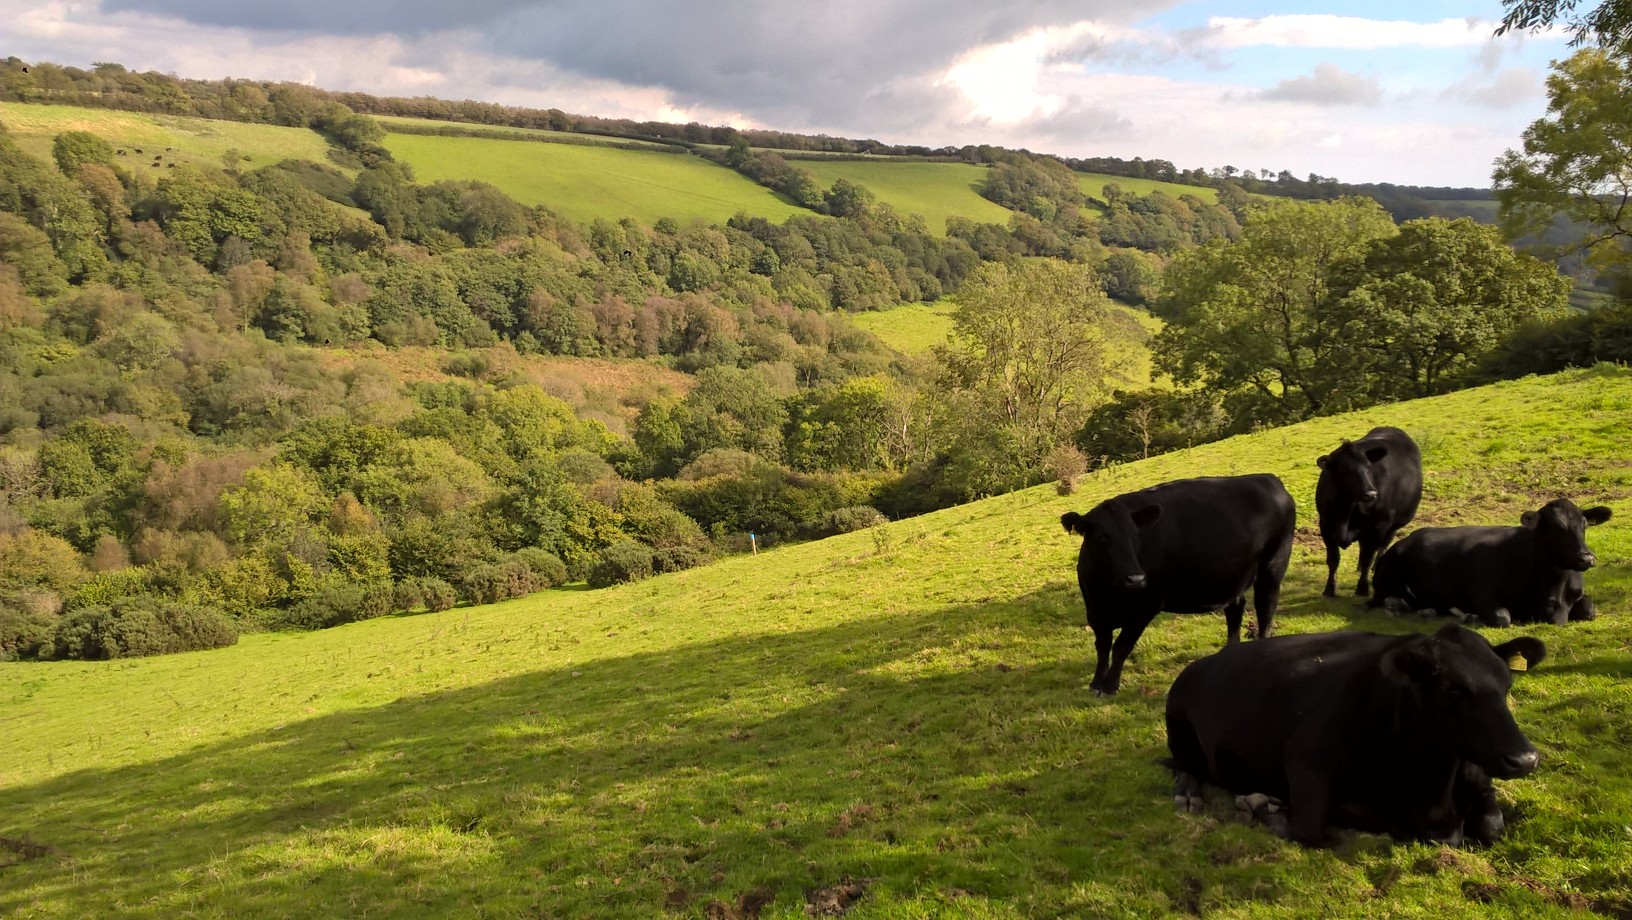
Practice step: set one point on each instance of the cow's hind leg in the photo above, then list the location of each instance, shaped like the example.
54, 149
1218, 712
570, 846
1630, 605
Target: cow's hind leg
1266, 587
1370, 546
1188, 759
1234, 612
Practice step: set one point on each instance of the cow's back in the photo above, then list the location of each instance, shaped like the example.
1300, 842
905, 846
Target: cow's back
1213, 536
1400, 492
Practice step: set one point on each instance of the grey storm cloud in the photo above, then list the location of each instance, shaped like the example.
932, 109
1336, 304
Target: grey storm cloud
1328, 85
803, 62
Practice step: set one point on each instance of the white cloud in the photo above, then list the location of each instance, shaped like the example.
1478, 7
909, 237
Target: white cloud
1328, 85
1322, 30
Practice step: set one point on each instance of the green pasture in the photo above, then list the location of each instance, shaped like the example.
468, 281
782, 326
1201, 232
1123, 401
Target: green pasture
174, 138
897, 720
1093, 185
535, 134
935, 190
583, 183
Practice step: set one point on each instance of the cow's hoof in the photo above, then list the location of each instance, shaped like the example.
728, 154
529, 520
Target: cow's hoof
1330, 591
1099, 691
1499, 618
1396, 605
1485, 828
1584, 610
1279, 824
1362, 591
1189, 804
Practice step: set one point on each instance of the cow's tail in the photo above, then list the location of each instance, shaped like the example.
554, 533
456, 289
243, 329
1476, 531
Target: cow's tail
1072, 522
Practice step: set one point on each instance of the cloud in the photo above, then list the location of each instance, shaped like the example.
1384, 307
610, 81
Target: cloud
1328, 85
1507, 88
1321, 30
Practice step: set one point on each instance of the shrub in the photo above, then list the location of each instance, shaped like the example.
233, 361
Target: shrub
854, 518
621, 562
375, 602
141, 627
500, 581
1066, 463
423, 591
677, 558
24, 633
547, 568
331, 604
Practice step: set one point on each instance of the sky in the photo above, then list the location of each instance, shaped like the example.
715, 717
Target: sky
1385, 91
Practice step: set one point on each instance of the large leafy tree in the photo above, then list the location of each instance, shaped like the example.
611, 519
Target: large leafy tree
1577, 160
1031, 350
1609, 23
1252, 318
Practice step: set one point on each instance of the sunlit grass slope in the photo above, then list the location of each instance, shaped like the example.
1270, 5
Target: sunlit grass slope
537, 134
583, 183
935, 190
176, 139
1093, 185
904, 710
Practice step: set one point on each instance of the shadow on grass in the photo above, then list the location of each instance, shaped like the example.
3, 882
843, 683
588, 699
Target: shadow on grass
945, 754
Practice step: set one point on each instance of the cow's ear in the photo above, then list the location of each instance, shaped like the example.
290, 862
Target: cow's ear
1529, 519
1523, 653
1320, 461
1146, 516
1376, 453
1071, 521
1414, 661
1597, 515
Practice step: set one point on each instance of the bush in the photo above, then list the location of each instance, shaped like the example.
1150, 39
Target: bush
24, 633
677, 558
375, 602
1066, 463
426, 591
333, 603
141, 627
500, 581
621, 562
854, 518
547, 568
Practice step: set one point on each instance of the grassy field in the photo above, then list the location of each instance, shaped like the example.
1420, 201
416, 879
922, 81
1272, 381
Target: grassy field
899, 713
583, 183
935, 190
176, 139
537, 134
915, 328
1093, 185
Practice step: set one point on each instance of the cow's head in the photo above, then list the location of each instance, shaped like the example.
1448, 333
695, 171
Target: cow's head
1456, 684
1350, 468
1110, 540
1561, 533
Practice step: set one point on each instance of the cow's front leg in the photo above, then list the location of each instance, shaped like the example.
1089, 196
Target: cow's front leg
1475, 801
1102, 659
1130, 634
1234, 611
1368, 552
1309, 799
1333, 557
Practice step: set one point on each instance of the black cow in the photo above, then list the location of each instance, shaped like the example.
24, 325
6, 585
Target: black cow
1389, 734
1529, 573
1188, 546
1368, 490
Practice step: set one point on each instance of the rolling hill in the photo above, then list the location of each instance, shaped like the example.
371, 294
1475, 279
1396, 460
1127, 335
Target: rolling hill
174, 138
899, 714
935, 190
1093, 185
583, 183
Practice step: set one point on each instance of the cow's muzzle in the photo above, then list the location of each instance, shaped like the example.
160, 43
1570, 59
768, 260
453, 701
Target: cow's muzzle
1585, 561
1133, 582
1512, 766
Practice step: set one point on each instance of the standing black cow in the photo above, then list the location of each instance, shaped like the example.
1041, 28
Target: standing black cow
1188, 546
1529, 573
1388, 734
1368, 490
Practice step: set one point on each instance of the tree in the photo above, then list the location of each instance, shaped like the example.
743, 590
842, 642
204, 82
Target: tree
1439, 297
1609, 24
1577, 160
1251, 318
1030, 346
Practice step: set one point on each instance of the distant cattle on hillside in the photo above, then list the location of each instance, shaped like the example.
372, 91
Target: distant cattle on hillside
1189, 546
1530, 573
1368, 490
1391, 734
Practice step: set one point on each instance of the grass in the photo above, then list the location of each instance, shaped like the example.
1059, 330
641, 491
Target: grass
1093, 185
901, 711
177, 139
535, 134
935, 190
582, 183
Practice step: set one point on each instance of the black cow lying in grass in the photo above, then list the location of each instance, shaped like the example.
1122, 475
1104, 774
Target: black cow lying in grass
1189, 546
1529, 573
1368, 490
1389, 734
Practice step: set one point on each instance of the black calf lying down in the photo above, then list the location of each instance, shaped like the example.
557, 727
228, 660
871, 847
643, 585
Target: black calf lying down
1524, 574
1388, 734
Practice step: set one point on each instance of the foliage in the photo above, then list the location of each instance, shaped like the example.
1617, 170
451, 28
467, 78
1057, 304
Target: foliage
139, 627
619, 563
1609, 23
1576, 164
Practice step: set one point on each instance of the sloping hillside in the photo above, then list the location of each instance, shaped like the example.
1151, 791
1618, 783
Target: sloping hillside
154, 142
900, 713
935, 190
583, 183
